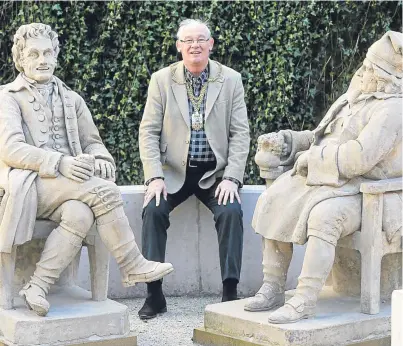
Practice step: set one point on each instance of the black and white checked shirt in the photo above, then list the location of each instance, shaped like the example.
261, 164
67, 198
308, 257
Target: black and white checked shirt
199, 148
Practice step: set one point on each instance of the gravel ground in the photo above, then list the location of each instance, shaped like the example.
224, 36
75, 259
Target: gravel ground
173, 328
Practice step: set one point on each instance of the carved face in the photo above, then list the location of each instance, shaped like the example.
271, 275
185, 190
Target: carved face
195, 54
368, 78
38, 59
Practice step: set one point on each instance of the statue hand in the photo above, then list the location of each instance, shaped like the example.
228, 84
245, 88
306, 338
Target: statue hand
104, 169
301, 165
287, 146
75, 169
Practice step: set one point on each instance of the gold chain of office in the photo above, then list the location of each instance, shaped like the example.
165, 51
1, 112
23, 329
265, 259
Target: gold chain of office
197, 117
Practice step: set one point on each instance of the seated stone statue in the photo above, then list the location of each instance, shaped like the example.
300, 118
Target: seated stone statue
318, 201
53, 165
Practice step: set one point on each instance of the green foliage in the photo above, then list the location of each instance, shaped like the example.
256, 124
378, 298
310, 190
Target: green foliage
295, 58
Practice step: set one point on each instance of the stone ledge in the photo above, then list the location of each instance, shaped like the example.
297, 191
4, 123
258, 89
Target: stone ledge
338, 322
74, 319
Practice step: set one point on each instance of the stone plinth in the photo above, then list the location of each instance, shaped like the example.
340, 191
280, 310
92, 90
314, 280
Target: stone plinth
338, 322
72, 320
397, 318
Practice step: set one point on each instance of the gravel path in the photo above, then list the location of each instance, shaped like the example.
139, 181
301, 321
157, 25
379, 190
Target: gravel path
173, 328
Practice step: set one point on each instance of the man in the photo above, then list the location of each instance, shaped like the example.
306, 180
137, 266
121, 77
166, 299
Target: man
49, 149
360, 138
194, 140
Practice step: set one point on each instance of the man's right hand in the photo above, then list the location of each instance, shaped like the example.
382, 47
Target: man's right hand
74, 169
154, 189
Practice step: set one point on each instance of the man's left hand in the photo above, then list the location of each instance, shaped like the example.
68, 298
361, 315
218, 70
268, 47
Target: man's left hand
227, 189
104, 169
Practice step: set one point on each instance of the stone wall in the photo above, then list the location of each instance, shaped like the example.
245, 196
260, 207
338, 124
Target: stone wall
193, 250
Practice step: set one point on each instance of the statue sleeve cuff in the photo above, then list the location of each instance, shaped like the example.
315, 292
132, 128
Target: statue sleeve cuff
323, 167
49, 167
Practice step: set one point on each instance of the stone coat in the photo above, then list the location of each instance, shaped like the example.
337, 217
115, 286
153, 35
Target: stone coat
23, 113
368, 147
165, 128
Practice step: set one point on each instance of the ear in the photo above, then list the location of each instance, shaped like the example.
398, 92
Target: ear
211, 44
178, 45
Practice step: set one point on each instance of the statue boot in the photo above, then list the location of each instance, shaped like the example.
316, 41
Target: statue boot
60, 249
276, 260
318, 262
117, 235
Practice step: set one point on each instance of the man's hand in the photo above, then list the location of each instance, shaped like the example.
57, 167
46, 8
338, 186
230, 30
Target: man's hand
226, 189
104, 169
301, 165
155, 188
74, 169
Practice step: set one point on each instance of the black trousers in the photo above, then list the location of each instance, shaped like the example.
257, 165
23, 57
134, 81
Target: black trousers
228, 223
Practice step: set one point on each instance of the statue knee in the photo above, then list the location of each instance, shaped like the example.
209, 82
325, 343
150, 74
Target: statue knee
325, 222
77, 217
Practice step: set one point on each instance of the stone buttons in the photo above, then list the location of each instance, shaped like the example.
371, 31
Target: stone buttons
104, 199
183, 163
44, 129
57, 146
56, 120
96, 189
56, 128
41, 117
108, 206
37, 106
187, 142
31, 99
57, 136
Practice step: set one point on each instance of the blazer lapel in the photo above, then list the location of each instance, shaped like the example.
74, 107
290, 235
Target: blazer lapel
213, 88
179, 90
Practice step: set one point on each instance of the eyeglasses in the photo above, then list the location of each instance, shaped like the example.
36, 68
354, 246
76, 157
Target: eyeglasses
198, 41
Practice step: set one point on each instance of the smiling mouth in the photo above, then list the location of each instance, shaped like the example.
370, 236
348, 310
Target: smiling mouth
42, 69
195, 53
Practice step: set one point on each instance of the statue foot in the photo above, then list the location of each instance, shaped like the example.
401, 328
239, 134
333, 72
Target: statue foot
35, 299
147, 271
295, 309
265, 299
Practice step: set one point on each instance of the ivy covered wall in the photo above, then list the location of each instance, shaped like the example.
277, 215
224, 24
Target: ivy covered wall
295, 57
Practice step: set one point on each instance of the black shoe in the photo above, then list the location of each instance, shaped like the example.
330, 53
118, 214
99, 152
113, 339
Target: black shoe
229, 291
155, 302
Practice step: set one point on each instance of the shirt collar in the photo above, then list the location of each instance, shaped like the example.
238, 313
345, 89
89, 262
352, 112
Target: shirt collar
202, 78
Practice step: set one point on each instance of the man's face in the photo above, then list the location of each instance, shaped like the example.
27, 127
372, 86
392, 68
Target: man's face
38, 60
195, 54
368, 79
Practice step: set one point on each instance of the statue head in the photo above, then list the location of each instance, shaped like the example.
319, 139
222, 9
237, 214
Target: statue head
382, 69
35, 51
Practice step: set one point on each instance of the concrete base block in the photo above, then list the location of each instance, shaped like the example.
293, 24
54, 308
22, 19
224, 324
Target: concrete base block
73, 319
397, 318
338, 321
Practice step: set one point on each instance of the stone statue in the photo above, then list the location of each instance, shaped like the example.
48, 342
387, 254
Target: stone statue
318, 200
53, 165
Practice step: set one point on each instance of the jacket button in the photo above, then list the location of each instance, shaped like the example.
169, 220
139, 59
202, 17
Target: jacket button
31, 99
183, 163
44, 129
41, 117
187, 142
57, 146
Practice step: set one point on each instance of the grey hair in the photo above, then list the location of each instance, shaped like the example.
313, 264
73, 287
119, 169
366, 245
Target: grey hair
187, 22
33, 30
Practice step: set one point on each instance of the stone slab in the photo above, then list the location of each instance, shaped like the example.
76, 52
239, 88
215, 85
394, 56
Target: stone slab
193, 250
338, 321
397, 318
73, 319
